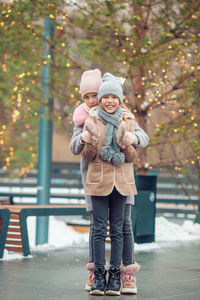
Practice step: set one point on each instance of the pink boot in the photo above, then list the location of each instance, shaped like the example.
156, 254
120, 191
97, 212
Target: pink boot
128, 279
90, 281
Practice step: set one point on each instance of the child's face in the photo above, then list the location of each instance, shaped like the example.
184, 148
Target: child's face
109, 103
90, 99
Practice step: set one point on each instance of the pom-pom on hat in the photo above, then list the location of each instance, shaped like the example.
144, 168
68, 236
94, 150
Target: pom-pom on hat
90, 82
111, 85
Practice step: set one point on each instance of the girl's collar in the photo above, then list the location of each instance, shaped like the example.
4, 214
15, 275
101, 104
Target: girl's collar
86, 107
93, 111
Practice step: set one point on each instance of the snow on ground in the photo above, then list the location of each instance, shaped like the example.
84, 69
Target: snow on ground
168, 231
61, 235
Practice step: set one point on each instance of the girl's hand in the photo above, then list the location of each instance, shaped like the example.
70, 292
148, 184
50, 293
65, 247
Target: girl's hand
128, 139
88, 138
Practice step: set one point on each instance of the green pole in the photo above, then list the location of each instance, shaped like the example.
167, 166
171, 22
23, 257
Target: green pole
45, 137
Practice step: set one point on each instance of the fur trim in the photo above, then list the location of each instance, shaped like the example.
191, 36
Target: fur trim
127, 114
80, 115
86, 107
90, 266
94, 111
131, 269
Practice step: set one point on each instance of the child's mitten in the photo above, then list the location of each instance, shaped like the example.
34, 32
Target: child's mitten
129, 138
121, 131
85, 137
91, 127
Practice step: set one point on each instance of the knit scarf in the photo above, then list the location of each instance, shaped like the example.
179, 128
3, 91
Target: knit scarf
110, 151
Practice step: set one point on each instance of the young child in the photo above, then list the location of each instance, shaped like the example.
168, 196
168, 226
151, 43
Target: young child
89, 86
109, 181
92, 79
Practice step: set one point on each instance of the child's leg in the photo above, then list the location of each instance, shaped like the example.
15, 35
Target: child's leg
90, 265
129, 268
116, 217
100, 217
128, 239
91, 239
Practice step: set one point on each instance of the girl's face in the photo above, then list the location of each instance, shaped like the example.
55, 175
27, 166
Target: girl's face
109, 103
90, 99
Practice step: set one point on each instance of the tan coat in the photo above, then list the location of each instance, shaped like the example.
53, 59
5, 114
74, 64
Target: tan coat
103, 176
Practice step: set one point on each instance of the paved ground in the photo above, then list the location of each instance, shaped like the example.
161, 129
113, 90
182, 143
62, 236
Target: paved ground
171, 272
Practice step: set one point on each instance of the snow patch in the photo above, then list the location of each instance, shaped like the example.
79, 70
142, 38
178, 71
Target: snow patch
166, 231
13, 256
60, 235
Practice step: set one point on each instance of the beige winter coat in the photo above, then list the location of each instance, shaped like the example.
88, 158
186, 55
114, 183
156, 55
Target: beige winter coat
103, 176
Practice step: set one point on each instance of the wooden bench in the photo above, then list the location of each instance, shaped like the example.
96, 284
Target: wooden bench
14, 232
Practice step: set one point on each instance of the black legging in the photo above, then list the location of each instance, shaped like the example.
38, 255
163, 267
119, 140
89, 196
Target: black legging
113, 206
128, 239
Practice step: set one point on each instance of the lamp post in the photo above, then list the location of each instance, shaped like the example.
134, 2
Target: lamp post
45, 135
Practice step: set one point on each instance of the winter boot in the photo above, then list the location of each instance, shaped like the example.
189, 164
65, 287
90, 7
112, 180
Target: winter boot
128, 279
113, 286
90, 281
98, 288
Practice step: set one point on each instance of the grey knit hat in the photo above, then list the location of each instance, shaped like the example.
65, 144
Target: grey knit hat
111, 85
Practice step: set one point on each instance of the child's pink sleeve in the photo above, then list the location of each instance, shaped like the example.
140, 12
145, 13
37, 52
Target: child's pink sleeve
80, 115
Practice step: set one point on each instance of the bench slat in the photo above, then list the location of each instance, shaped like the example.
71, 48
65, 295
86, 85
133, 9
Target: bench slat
14, 223
14, 229
14, 236
12, 242
14, 249
14, 216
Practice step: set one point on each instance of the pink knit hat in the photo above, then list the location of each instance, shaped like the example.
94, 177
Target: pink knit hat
90, 82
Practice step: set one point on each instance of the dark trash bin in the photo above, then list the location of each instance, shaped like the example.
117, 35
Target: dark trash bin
144, 210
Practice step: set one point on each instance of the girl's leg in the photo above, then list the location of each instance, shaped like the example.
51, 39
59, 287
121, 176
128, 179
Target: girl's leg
90, 265
128, 239
91, 239
116, 217
100, 217
129, 267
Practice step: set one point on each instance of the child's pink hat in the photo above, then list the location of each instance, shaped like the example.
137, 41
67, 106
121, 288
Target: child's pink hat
90, 82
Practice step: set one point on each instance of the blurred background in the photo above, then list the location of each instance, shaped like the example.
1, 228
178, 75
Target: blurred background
152, 44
